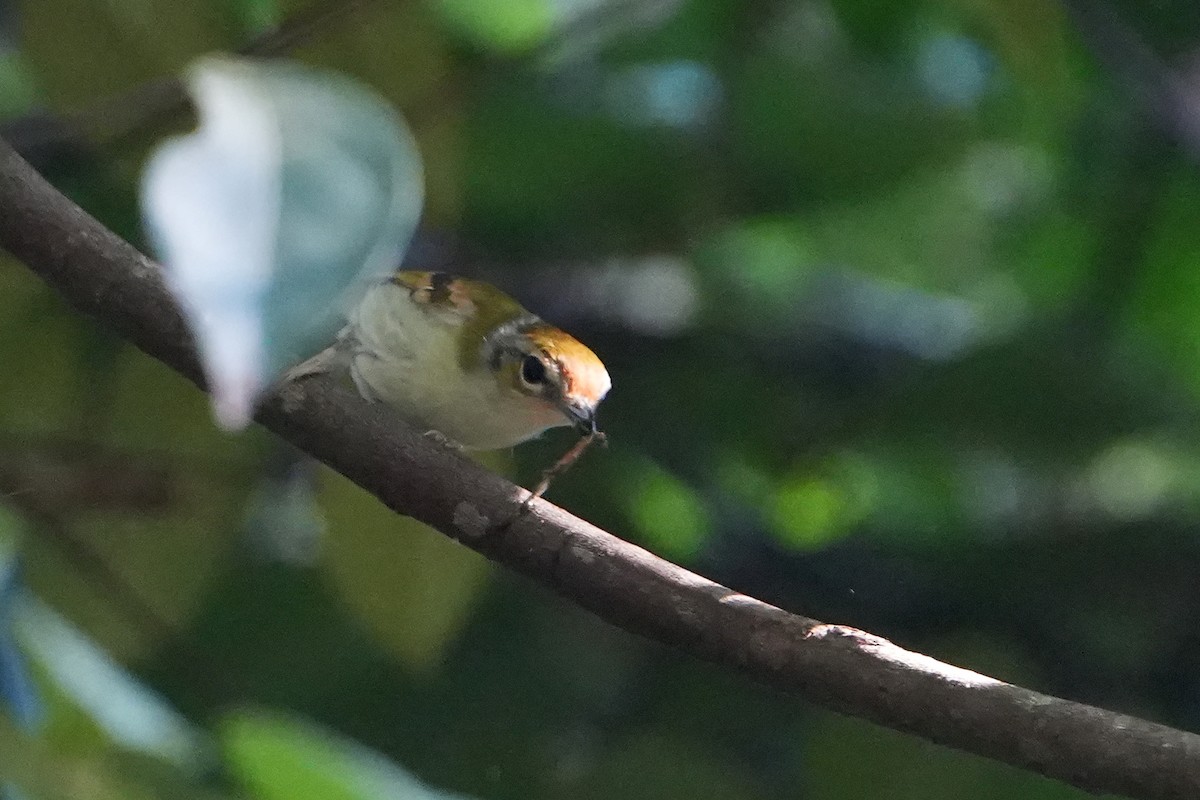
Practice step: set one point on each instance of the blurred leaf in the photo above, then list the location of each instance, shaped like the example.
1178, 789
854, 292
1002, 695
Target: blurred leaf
122, 42
905, 768
657, 764
30, 764
539, 172
831, 133
767, 261
281, 758
274, 632
298, 188
16, 87
412, 587
914, 490
397, 48
877, 28
670, 516
1165, 305
129, 712
168, 559
256, 15
17, 690
810, 512
926, 232
34, 323
911, 267
504, 25
50, 771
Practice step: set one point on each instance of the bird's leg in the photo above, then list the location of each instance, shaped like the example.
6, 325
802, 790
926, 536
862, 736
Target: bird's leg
562, 465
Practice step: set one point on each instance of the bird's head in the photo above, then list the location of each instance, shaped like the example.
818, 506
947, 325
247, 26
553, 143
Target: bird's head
548, 366
514, 374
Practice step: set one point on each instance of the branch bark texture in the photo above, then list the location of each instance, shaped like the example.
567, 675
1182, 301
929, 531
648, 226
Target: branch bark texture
840, 668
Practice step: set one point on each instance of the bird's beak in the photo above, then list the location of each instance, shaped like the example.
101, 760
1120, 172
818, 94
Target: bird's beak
584, 418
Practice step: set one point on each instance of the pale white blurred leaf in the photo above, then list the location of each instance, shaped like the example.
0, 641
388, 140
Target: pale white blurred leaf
132, 714
298, 187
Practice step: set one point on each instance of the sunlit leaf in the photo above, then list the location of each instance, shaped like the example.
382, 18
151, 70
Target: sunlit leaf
513, 25
297, 187
669, 514
808, 512
278, 758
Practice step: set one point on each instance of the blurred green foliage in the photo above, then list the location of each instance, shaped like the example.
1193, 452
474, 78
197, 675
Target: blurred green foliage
902, 305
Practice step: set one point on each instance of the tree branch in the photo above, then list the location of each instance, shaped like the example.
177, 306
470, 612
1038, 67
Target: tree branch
840, 668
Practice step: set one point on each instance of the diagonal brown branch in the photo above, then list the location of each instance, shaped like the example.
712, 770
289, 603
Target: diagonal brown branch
840, 668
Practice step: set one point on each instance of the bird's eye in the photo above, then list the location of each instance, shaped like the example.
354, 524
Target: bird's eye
533, 371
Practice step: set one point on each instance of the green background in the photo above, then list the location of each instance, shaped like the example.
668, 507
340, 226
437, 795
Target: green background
901, 303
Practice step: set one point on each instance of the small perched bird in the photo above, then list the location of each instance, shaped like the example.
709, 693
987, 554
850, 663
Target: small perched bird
462, 358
